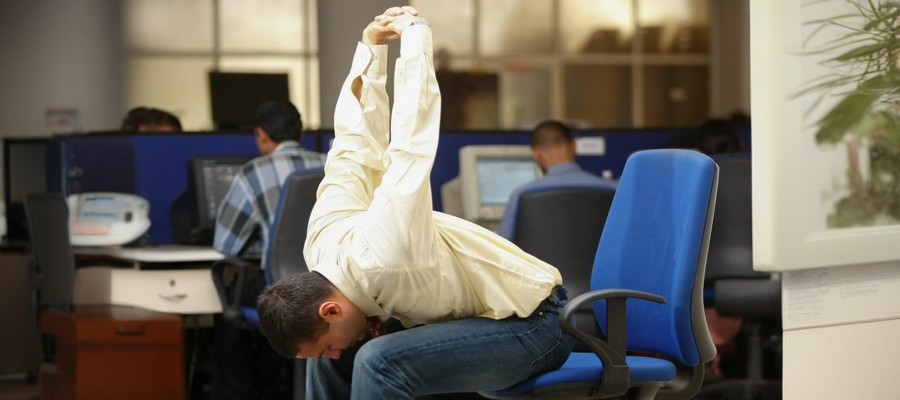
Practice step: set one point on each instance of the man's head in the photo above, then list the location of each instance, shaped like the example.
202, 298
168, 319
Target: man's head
276, 121
552, 143
146, 119
717, 136
305, 316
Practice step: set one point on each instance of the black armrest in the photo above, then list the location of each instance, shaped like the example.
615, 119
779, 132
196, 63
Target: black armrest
611, 352
231, 311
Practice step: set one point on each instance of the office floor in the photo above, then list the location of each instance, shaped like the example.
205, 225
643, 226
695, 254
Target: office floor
18, 387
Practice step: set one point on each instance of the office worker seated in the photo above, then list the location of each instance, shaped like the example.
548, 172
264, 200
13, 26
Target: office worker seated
553, 148
149, 119
247, 366
481, 313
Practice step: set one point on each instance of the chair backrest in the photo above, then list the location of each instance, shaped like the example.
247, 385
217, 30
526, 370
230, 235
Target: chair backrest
562, 226
655, 240
731, 240
735, 288
284, 256
51, 250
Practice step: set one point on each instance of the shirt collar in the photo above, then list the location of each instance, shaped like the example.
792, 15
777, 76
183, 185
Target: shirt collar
285, 145
562, 168
350, 289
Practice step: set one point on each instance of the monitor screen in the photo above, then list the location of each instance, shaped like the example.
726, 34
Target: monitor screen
213, 179
235, 96
194, 210
488, 176
498, 177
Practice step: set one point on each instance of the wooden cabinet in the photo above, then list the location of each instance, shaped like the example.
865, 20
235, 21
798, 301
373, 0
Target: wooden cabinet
112, 352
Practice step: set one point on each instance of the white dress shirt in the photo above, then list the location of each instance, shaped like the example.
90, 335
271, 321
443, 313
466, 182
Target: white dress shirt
373, 232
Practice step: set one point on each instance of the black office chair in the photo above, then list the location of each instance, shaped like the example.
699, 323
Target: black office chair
562, 225
735, 289
284, 253
51, 250
52, 259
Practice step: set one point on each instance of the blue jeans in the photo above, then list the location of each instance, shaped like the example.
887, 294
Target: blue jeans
466, 355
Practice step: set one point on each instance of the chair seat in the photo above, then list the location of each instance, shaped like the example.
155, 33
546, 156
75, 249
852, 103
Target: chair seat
581, 367
250, 314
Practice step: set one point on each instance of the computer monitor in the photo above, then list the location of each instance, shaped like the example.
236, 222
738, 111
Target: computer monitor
24, 171
234, 96
194, 211
489, 174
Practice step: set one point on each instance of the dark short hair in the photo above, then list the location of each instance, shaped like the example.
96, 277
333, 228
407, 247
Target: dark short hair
717, 136
289, 311
550, 133
138, 116
280, 119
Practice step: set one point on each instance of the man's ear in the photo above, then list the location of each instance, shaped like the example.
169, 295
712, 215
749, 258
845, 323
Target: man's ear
261, 133
330, 309
538, 157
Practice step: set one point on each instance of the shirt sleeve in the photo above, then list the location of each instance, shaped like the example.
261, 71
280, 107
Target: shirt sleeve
354, 166
398, 229
234, 219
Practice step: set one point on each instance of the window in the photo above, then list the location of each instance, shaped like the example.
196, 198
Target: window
593, 63
173, 44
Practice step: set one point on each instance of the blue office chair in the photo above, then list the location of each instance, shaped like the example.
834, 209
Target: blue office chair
561, 224
653, 250
284, 253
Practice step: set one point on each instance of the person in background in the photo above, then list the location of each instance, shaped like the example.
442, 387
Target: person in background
718, 136
247, 367
479, 312
146, 119
553, 148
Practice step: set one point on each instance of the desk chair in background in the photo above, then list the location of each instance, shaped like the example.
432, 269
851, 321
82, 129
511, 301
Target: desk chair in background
51, 249
284, 257
653, 250
735, 289
52, 273
284, 253
561, 225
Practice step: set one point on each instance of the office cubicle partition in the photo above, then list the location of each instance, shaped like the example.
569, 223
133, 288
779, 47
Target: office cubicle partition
618, 144
155, 165
24, 171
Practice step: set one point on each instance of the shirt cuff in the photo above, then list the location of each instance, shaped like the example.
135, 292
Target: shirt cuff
415, 39
369, 59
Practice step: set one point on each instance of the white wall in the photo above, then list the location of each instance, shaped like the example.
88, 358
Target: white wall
841, 323
340, 27
59, 54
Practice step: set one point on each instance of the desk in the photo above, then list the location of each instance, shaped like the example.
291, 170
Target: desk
170, 279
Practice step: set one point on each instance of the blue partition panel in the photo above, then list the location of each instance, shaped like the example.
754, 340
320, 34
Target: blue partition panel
153, 166
161, 169
619, 145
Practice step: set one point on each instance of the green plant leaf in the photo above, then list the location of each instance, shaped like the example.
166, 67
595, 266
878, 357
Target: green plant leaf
861, 51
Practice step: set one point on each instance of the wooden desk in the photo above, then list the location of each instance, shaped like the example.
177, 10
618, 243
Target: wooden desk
171, 279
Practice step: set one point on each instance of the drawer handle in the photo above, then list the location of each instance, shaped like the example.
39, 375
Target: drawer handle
130, 330
173, 296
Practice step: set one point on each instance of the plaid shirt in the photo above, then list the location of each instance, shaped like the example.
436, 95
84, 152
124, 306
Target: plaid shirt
248, 209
